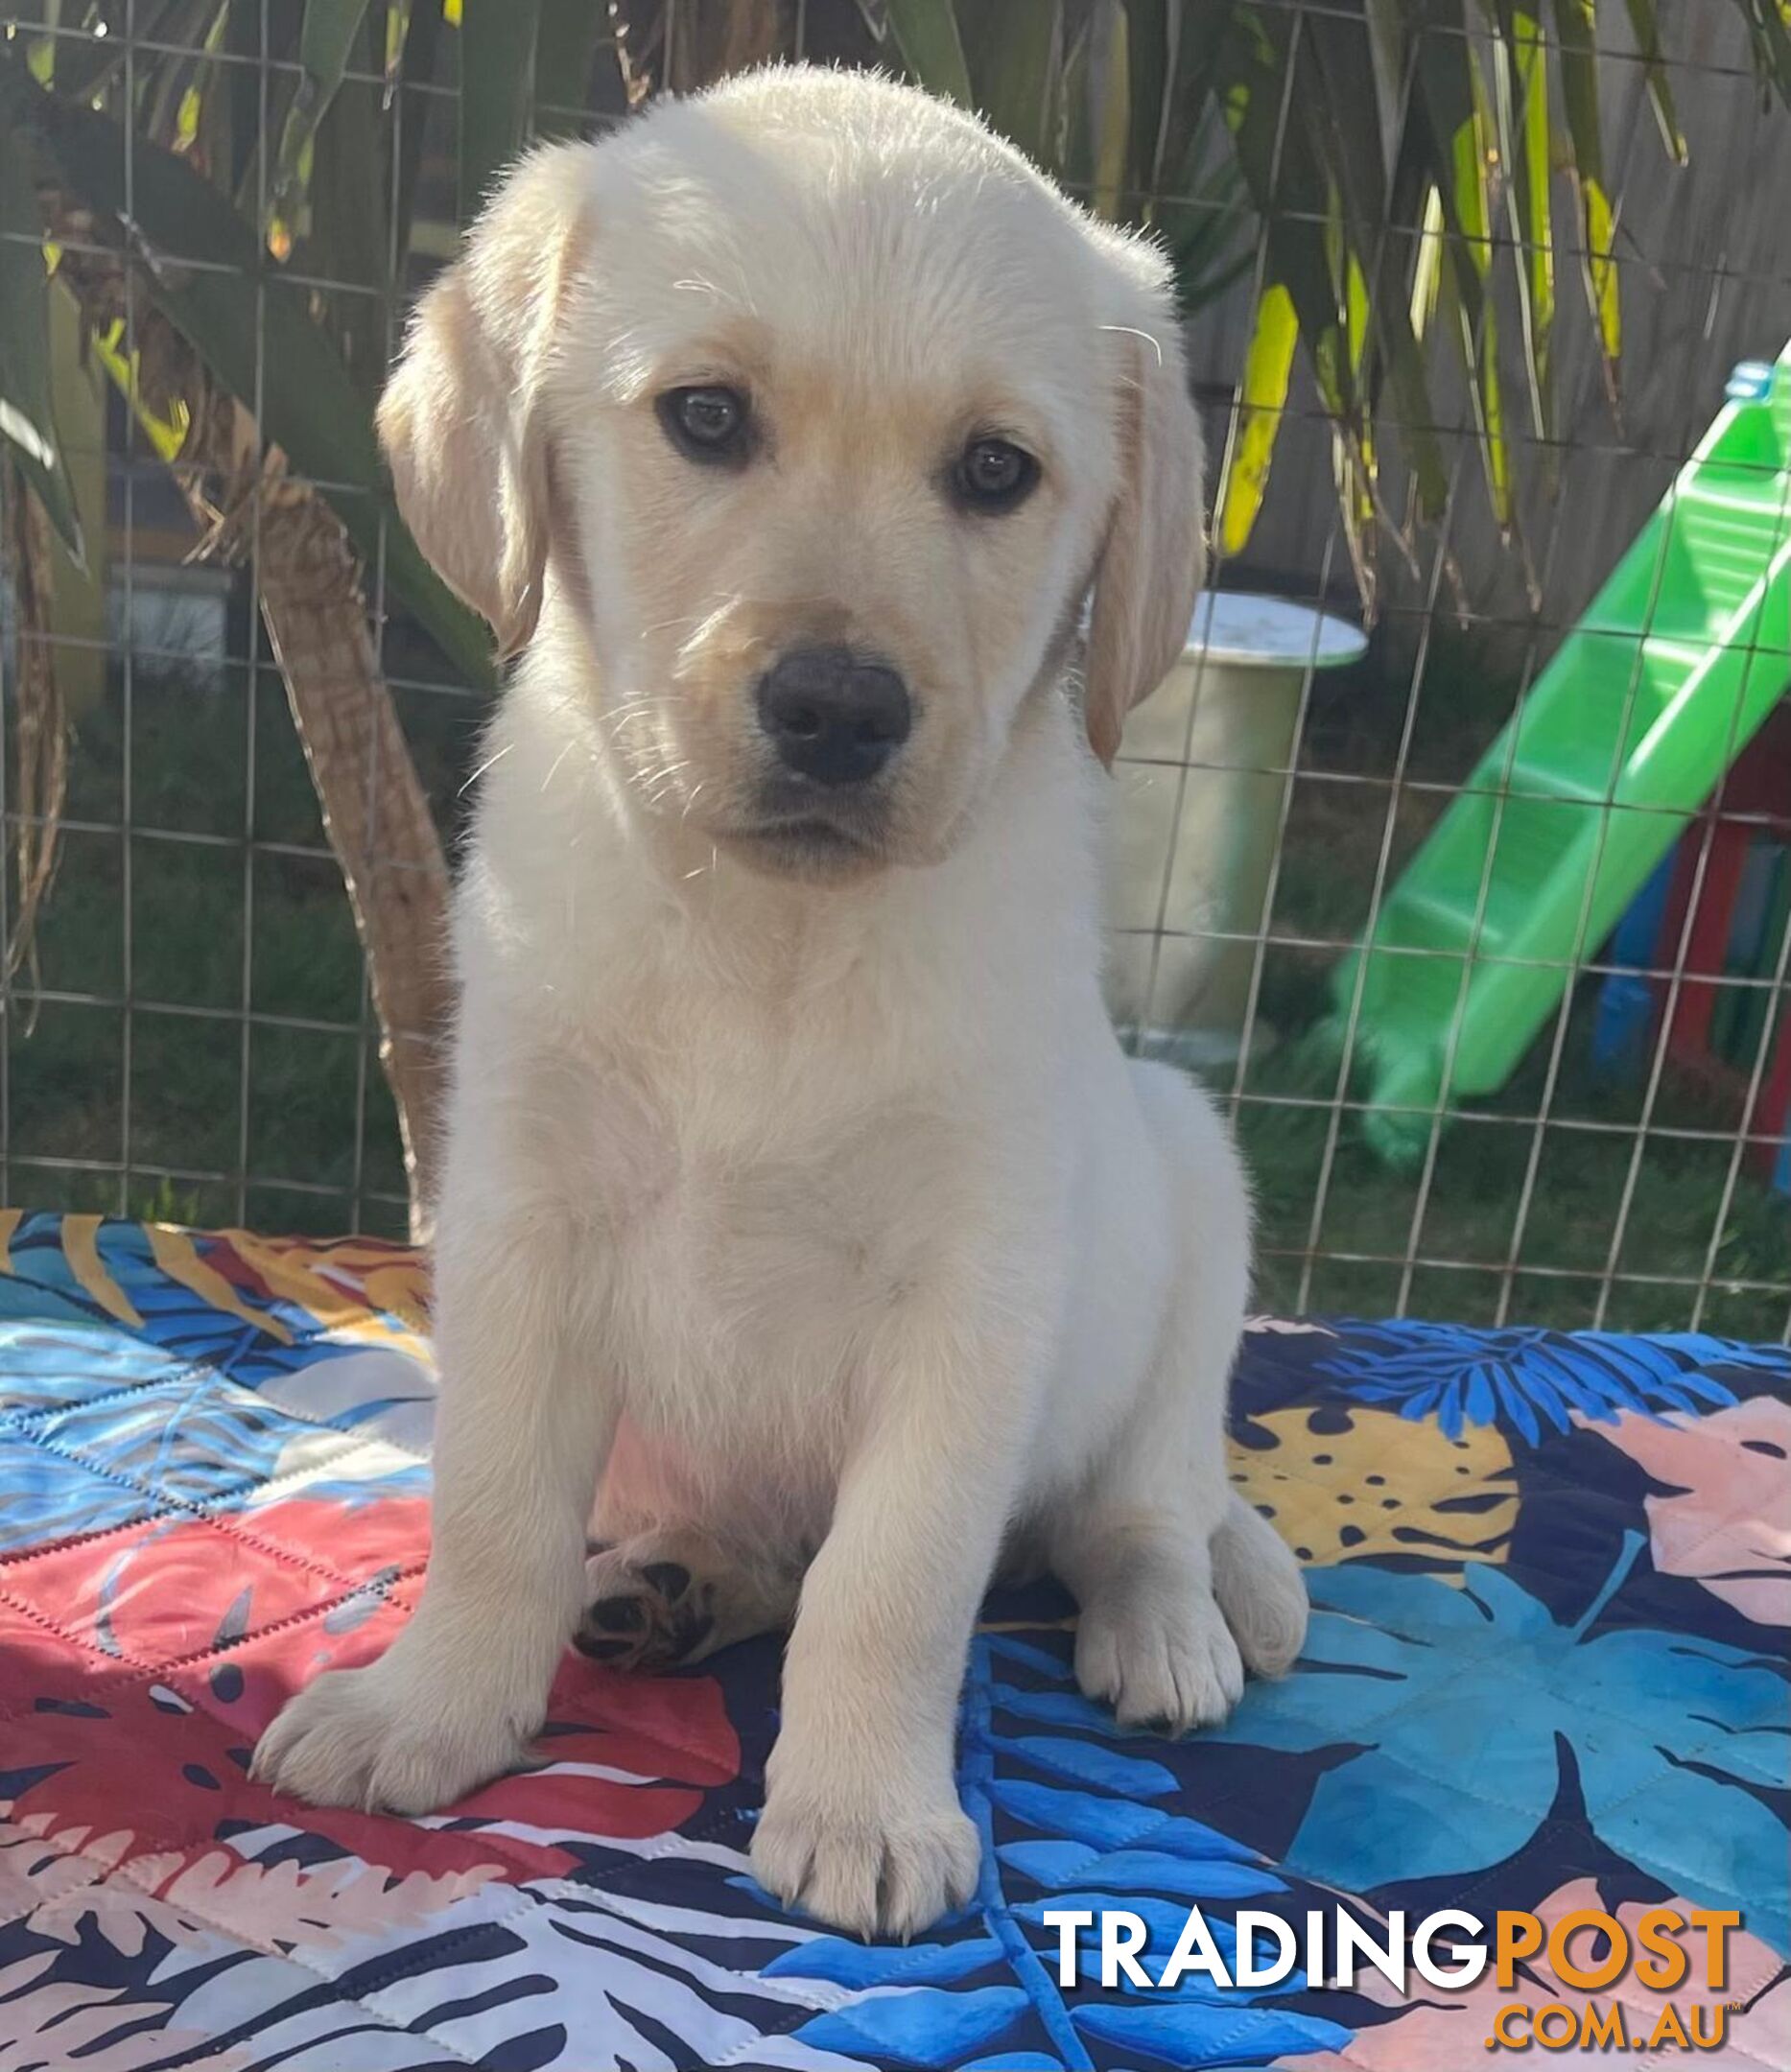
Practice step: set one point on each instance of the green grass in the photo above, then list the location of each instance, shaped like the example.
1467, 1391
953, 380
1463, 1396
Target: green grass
1337, 829
180, 1082
213, 927
1558, 1258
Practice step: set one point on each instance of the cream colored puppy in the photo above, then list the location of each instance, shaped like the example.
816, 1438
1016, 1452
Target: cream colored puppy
798, 1198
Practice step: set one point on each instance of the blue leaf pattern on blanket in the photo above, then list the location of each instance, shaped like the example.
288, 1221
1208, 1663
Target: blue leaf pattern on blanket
1676, 1740
1537, 1380
1070, 1821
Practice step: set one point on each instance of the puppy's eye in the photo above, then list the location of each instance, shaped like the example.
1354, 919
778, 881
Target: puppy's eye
994, 475
709, 423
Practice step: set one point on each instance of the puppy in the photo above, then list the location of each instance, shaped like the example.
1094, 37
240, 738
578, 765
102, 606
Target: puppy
798, 1200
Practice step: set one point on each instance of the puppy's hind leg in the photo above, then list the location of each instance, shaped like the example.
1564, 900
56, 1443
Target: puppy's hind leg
1181, 1586
1170, 1621
668, 1596
1135, 1545
1150, 1639
1260, 1588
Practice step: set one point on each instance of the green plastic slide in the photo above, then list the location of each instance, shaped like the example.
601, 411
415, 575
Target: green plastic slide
1623, 736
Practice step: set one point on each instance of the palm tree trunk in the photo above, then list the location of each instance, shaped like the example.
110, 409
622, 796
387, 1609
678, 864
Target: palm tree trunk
374, 808
40, 719
375, 812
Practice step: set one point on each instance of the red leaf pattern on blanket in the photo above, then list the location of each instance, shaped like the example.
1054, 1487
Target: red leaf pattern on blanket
282, 1904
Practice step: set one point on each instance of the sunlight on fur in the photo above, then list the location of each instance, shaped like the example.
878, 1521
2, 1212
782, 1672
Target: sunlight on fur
783, 437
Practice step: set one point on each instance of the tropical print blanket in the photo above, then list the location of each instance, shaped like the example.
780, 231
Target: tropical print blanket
1551, 1579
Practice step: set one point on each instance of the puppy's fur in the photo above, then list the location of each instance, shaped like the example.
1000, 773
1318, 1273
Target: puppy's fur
798, 1194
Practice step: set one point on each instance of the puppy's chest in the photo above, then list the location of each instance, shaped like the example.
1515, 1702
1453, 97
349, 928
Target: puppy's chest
746, 1281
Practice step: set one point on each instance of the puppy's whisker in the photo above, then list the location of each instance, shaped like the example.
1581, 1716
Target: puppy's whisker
490, 763
662, 626
656, 784
1132, 331
706, 627
621, 715
643, 707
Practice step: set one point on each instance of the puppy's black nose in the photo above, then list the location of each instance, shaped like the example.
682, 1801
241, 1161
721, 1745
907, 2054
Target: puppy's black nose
833, 718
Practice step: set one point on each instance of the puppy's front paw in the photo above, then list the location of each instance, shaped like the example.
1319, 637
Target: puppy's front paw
385, 1741
878, 1859
1161, 1656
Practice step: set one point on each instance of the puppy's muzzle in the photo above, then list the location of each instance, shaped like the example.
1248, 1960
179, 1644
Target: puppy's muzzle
833, 718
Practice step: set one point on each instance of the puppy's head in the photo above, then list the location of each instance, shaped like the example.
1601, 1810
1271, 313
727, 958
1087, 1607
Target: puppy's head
825, 414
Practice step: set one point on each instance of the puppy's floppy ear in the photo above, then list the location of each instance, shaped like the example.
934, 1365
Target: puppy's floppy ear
461, 418
1154, 558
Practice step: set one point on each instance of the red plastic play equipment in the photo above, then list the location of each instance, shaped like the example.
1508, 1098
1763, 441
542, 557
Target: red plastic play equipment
1734, 863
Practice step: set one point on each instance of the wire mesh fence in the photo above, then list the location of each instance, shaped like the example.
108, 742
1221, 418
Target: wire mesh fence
193, 1034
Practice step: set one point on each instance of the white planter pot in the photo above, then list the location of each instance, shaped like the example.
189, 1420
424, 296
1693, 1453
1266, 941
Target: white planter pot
1202, 774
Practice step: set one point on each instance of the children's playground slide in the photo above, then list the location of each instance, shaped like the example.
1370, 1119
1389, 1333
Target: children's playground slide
1621, 739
